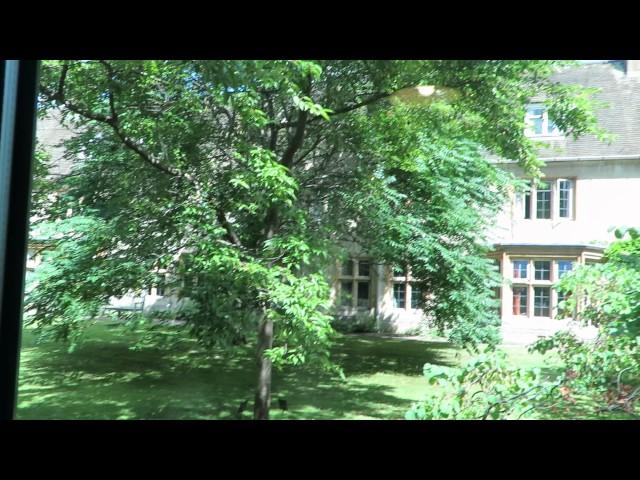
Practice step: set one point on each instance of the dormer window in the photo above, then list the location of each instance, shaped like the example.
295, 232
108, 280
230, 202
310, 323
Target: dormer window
538, 122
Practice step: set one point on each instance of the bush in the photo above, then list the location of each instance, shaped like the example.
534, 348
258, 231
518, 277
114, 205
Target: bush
355, 324
487, 387
607, 296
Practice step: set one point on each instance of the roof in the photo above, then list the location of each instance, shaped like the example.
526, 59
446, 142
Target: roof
549, 245
621, 92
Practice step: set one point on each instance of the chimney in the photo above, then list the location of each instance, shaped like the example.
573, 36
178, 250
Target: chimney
632, 68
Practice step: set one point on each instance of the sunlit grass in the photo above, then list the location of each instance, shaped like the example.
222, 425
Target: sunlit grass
105, 379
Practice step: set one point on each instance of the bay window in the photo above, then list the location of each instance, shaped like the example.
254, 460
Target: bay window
534, 294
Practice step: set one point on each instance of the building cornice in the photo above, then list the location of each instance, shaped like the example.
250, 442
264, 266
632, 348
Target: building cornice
572, 159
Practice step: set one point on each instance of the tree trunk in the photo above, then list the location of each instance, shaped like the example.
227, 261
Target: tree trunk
263, 393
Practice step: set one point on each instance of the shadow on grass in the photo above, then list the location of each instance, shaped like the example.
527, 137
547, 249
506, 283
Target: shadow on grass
104, 379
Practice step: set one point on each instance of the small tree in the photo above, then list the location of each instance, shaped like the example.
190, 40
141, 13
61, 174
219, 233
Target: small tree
607, 296
249, 175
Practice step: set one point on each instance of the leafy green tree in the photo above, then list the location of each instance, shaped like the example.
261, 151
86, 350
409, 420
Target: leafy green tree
246, 178
487, 387
607, 296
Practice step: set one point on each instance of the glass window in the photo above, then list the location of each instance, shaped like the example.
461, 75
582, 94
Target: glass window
520, 268
415, 296
538, 121
346, 293
534, 120
347, 268
399, 295
542, 270
541, 301
527, 205
363, 294
363, 268
564, 193
564, 266
537, 125
543, 200
520, 300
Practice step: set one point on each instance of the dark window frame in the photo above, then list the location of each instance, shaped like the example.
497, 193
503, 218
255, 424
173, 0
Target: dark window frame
18, 97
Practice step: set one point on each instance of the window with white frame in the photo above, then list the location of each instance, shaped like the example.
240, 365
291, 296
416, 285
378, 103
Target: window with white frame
355, 283
551, 199
543, 200
565, 197
538, 123
406, 292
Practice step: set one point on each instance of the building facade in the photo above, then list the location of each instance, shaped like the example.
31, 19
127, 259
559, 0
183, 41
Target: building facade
588, 189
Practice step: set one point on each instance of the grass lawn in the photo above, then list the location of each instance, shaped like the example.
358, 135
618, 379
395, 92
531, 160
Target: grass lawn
104, 379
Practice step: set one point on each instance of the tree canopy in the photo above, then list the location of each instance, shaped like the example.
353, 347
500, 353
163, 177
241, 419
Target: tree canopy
248, 177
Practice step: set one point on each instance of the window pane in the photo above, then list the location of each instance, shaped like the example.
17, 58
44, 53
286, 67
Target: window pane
520, 300
415, 296
346, 293
542, 270
564, 190
363, 294
541, 301
537, 125
398, 295
527, 205
363, 268
564, 266
347, 268
543, 200
520, 268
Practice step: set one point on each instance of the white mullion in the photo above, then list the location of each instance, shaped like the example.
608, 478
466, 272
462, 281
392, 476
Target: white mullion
533, 204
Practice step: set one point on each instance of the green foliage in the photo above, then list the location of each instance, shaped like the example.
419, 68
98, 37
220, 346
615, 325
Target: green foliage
607, 296
488, 387
354, 324
430, 213
246, 178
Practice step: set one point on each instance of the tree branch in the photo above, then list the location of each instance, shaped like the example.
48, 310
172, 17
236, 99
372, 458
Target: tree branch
231, 235
113, 122
346, 109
